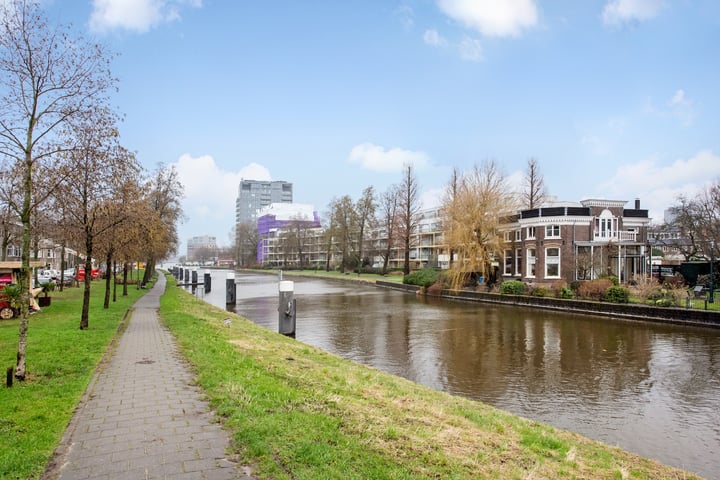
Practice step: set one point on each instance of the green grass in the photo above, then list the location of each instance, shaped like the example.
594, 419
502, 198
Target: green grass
61, 359
367, 277
298, 412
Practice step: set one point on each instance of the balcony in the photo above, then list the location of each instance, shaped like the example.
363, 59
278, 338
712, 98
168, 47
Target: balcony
621, 237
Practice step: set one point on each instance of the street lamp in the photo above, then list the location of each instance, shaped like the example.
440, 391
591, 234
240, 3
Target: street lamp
712, 274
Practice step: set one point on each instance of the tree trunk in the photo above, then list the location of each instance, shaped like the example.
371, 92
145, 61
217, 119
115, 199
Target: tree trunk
84, 319
125, 279
25, 270
108, 266
114, 276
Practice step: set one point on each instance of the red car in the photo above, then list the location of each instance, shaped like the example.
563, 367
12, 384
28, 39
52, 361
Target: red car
94, 274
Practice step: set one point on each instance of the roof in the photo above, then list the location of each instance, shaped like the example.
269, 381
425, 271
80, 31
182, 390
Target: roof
16, 265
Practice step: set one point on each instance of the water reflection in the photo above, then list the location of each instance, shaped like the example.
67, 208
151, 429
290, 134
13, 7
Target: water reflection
652, 389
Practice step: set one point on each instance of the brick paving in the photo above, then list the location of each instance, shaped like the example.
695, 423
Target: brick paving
142, 418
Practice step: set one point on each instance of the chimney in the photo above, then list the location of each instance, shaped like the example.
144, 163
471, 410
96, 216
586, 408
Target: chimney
637, 204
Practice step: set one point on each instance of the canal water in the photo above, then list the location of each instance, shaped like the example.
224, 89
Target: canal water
649, 388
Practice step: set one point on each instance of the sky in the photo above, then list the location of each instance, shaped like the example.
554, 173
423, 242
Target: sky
615, 99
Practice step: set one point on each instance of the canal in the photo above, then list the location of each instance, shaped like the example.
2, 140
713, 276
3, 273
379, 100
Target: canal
649, 388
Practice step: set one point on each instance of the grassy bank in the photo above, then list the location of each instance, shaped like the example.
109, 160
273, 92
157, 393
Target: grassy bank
61, 359
333, 274
298, 412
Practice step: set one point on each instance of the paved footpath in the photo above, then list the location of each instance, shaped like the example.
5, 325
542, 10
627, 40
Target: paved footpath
142, 419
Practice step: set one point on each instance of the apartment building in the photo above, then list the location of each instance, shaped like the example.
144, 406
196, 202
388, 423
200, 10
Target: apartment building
254, 195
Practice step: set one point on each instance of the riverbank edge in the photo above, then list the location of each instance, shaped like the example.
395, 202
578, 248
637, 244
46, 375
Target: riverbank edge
629, 311
286, 361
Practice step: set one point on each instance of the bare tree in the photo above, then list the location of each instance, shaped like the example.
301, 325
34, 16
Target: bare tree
471, 221
534, 192
365, 209
98, 167
449, 202
164, 194
246, 242
389, 221
409, 205
698, 220
344, 226
50, 78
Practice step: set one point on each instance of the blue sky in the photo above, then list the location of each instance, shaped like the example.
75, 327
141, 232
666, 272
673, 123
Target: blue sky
615, 98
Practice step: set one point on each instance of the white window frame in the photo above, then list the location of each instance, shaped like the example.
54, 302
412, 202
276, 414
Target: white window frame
508, 255
552, 260
530, 233
508, 236
518, 235
552, 231
518, 261
531, 260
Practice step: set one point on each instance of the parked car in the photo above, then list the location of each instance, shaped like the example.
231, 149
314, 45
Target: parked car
44, 277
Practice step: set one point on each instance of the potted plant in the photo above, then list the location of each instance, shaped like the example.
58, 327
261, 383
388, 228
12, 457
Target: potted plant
12, 293
44, 301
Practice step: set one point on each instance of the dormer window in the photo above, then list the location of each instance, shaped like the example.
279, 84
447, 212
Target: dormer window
606, 225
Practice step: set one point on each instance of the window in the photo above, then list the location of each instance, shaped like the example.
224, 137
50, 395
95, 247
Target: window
518, 261
508, 263
552, 262
508, 236
518, 235
552, 231
530, 233
606, 225
530, 262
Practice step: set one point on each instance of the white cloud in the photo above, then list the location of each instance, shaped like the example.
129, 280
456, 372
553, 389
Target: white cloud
376, 158
406, 15
657, 185
679, 106
618, 12
470, 49
432, 37
492, 17
136, 15
210, 193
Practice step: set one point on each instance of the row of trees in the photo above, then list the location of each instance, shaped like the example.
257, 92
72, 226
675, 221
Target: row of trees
697, 220
65, 175
472, 210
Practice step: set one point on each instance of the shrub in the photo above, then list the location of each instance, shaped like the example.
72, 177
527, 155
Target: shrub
617, 294
435, 289
613, 279
665, 296
566, 292
422, 278
512, 287
541, 292
594, 289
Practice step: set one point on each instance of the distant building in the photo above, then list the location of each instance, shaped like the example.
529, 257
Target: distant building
290, 234
254, 195
202, 248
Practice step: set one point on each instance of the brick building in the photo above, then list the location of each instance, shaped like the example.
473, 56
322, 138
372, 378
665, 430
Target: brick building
576, 241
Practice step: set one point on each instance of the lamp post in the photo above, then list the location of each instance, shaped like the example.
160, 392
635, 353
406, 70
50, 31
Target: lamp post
712, 274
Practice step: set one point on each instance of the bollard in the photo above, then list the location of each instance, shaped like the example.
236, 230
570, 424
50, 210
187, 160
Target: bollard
286, 309
230, 297
207, 281
194, 279
187, 275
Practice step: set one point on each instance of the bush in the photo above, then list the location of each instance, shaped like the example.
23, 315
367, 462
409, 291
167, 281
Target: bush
512, 287
566, 292
422, 278
613, 279
617, 294
541, 292
594, 289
